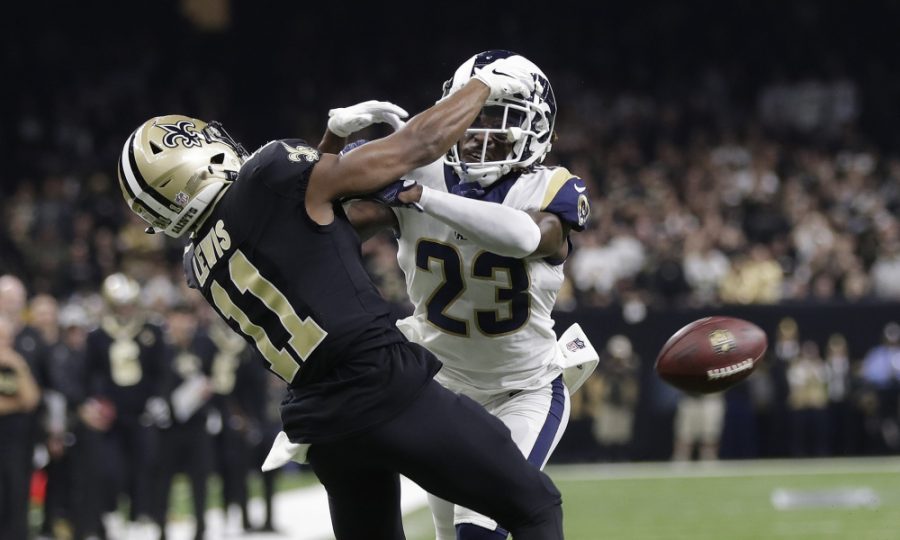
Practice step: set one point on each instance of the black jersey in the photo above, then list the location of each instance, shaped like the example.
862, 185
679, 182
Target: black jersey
17, 428
183, 365
299, 292
124, 363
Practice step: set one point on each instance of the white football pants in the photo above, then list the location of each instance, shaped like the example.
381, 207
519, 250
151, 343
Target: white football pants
536, 420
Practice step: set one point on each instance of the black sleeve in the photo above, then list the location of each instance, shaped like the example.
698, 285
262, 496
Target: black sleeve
159, 360
95, 373
283, 166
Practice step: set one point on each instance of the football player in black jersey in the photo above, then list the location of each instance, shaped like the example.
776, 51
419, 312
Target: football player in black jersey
123, 373
19, 396
273, 252
185, 445
22, 362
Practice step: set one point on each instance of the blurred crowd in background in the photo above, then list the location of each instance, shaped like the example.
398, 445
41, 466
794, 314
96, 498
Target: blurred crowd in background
711, 182
809, 397
99, 412
749, 162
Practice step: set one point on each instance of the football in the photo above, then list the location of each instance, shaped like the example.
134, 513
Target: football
711, 354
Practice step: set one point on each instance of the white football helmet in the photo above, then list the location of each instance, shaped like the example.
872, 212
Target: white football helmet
526, 122
172, 167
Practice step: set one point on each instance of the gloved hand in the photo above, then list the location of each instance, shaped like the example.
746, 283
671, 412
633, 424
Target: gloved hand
346, 120
157, 413
472, 190
506, 77
390, 194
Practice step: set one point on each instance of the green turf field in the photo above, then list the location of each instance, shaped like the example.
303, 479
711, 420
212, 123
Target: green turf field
725, 501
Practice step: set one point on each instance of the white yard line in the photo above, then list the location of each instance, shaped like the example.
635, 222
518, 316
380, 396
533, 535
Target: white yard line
302, 514
725, 469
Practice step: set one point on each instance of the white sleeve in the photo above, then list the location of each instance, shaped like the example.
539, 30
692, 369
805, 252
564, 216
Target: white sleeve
500, 229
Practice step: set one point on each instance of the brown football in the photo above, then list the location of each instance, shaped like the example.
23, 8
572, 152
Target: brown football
711, 354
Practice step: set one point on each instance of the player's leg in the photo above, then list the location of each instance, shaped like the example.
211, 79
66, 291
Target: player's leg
364, 499
199, 458
442, 513
712, 418
452, 447
15, 476
536, 420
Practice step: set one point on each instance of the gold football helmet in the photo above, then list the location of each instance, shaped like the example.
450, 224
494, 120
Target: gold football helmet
119, 290
172, 168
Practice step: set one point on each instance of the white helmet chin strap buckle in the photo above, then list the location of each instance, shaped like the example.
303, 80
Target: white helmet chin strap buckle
485, 175
514, 134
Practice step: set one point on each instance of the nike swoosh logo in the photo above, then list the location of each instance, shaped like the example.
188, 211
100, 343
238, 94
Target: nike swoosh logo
579, 189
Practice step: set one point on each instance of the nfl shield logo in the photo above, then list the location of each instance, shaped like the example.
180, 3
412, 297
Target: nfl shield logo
722, 341
575, 344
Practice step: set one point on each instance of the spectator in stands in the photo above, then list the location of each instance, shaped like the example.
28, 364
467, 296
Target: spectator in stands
698, 427
839, 382
613, 395
808, 399
705, 267
785, 348
881, 374
886, 270
754, 279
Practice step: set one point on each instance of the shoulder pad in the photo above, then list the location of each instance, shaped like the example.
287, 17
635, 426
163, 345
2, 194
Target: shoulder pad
283, 165
566, 196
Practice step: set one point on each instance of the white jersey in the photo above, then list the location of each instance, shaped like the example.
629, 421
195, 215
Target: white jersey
487, 317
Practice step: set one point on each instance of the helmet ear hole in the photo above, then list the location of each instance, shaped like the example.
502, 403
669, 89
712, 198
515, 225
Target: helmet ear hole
155, 148
217, 159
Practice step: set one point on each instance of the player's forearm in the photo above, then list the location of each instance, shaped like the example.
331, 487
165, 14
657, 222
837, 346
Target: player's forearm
331, 143
438, 128
499, 229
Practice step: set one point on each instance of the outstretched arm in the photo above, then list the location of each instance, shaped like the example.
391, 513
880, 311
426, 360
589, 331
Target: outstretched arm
331, 143
501, 229
425, 138
343, 121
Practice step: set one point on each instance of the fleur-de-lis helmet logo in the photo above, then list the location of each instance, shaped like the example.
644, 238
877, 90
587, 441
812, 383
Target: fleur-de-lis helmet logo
183, 131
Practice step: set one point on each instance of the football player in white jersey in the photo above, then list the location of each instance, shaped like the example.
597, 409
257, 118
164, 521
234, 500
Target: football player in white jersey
483, 235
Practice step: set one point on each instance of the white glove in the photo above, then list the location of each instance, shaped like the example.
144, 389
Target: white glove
506, 77
157, 413
346, 120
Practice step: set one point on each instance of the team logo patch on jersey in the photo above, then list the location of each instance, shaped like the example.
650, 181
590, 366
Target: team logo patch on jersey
300, 154
575, 344
584, 210
721, 341
183, 132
